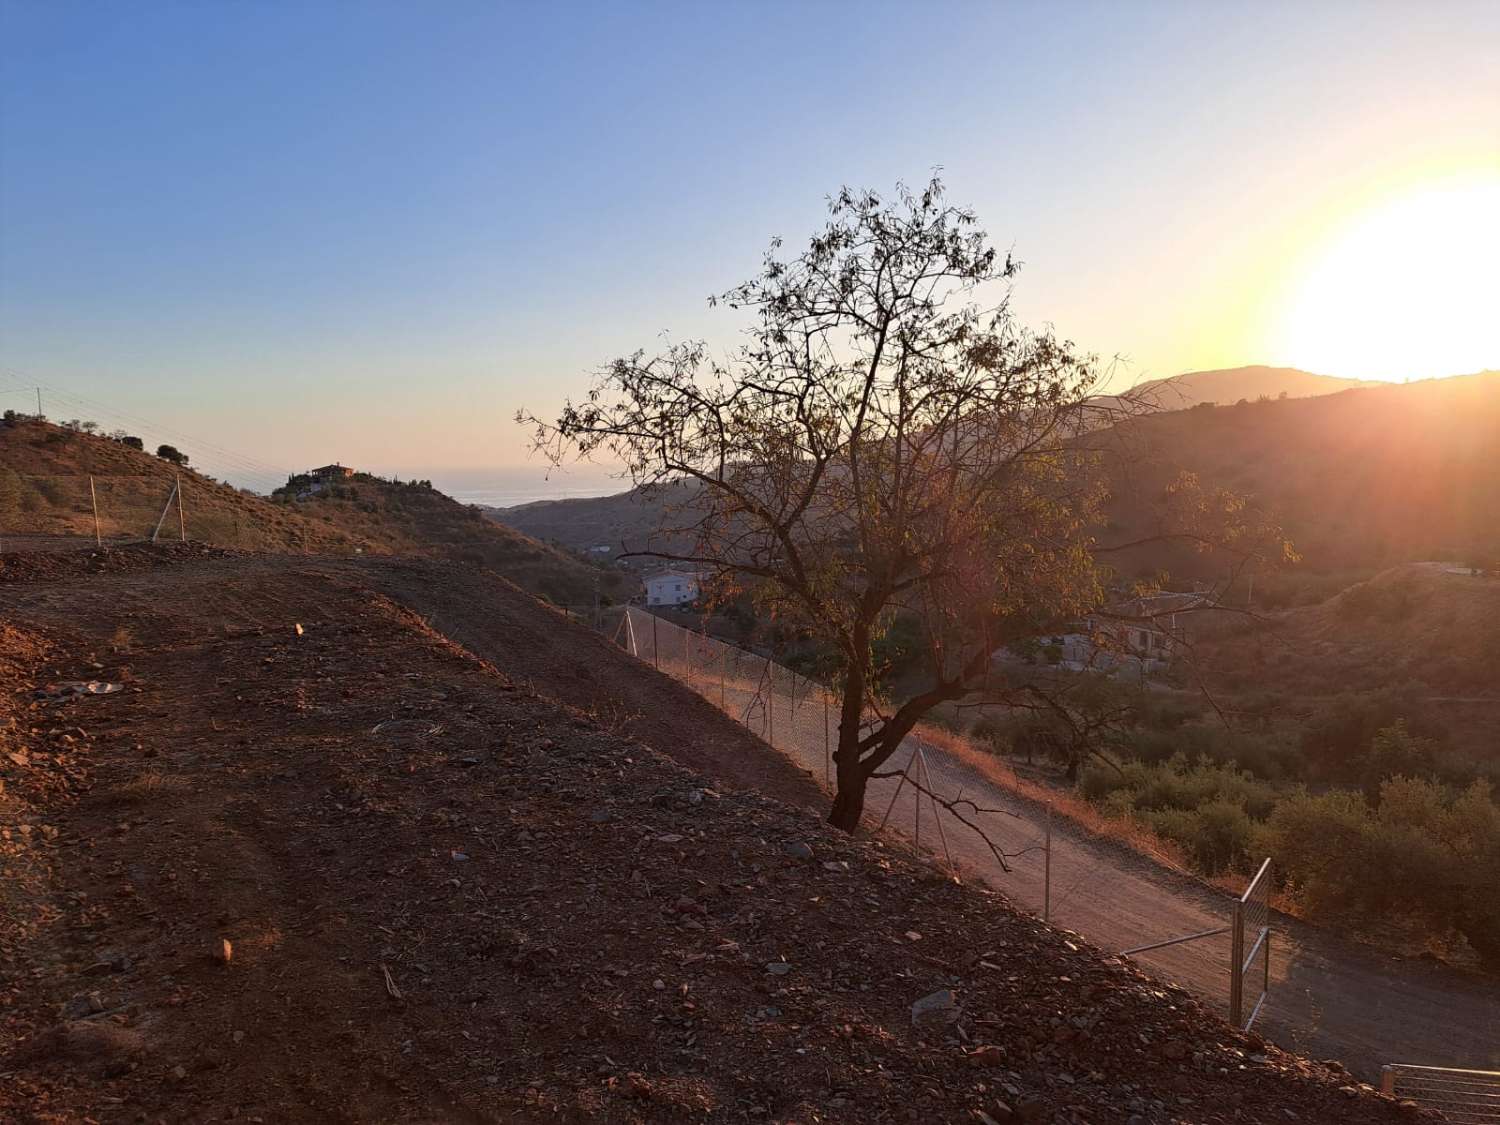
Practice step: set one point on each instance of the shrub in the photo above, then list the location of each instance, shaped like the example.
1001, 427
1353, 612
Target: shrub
1394, 752
1217, 837
1426, 854
991, 731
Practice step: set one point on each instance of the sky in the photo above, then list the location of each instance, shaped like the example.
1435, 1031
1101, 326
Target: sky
296, 233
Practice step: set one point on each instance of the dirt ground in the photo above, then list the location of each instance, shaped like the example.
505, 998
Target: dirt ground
351, 872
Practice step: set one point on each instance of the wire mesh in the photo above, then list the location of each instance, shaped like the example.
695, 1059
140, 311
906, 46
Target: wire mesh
35, 506
799, 717
50, 511
1465, 1097
1250, 959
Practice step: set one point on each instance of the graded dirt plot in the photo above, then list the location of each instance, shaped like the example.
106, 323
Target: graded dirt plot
446, 897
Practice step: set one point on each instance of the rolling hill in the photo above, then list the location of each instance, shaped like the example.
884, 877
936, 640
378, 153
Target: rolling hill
1365, 478
45, 481
1229, 385
1432, 625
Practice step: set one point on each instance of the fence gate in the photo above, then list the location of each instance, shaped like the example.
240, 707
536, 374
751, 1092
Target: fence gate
1249, 932
1250, 947
1466, 1097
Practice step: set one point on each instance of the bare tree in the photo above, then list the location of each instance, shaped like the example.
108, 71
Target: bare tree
887, 441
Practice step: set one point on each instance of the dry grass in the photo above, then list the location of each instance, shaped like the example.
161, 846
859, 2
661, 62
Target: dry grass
1132, 833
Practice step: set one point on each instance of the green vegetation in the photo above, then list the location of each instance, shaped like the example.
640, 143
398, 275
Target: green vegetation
1422, 853
1373, 820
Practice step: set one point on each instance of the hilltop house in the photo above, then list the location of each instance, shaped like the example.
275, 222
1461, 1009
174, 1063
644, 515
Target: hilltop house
331, 474
671, 587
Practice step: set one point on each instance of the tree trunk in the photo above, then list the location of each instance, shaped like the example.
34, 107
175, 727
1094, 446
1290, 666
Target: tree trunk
852, 776
849, 772
848, 805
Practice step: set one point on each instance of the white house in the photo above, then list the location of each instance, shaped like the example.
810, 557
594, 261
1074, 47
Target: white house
1132, 637
671, 587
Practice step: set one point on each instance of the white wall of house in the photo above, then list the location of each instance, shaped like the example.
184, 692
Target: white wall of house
671, 588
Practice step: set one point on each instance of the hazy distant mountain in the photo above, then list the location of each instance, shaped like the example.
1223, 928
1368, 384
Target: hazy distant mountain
1231, 384
1360, 474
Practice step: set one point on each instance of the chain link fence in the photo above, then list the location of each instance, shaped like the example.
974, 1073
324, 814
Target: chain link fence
37, 507
52, 511
1250, 944
932, 796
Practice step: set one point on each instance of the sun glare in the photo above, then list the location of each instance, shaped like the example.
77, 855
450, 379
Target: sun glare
1405, 289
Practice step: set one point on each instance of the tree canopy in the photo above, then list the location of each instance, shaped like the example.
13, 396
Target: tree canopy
887, 441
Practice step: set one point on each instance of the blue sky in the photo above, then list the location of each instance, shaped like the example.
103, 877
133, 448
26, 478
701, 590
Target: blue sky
372, 231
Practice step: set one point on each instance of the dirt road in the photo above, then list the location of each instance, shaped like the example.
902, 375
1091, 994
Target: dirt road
1328, 998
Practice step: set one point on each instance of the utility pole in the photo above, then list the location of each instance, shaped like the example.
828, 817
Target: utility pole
39, 402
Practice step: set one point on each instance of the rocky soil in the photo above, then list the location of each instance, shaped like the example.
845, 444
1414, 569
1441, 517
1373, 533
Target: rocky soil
318, 863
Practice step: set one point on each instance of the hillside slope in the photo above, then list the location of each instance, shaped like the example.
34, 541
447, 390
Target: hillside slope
446, 897
416, 519
1363, 479
624, 521
1230, 385
45, 491
1421, 624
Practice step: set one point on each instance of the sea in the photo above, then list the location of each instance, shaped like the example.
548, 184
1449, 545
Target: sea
505, 488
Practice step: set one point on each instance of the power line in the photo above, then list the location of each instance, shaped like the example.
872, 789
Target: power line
219, 460
266, 476
240, 459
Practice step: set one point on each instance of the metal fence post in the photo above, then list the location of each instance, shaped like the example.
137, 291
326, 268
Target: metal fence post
94, 503
1265, 985
165, 508
723, 673
655, 648
917, 800
826, 767
1236, 964
936, 812
1047, 870
1388, 1079
771, 703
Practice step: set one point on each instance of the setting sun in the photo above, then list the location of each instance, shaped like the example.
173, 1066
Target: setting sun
1403, 289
